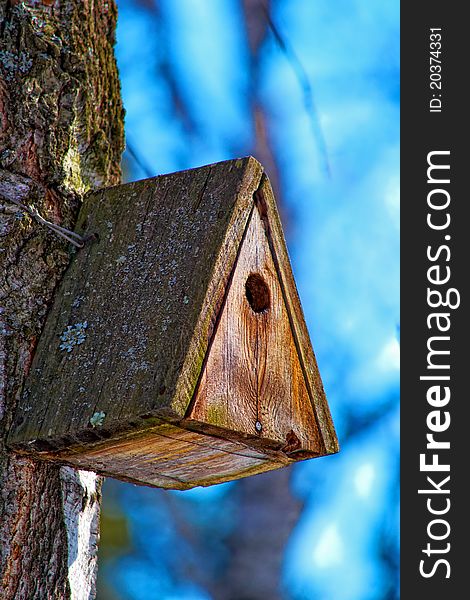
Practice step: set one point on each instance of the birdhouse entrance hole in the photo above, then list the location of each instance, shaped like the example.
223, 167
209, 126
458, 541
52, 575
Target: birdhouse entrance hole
257, 293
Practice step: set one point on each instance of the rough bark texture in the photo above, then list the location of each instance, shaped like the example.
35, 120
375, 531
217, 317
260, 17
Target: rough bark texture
61, 134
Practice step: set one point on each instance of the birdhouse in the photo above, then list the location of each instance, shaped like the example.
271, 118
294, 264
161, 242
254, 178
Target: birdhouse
176, 353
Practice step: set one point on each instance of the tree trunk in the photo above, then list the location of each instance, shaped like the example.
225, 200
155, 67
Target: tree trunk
266, 514
61, 135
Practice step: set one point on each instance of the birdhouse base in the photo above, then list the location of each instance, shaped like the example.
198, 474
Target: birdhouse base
176, 457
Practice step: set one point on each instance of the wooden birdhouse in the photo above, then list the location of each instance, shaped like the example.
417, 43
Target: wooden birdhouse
176, 352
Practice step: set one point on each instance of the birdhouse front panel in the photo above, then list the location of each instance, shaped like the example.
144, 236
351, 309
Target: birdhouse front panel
176, 353
253, 357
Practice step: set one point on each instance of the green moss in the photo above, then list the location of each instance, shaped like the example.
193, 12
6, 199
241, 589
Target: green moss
71, 164
217, 415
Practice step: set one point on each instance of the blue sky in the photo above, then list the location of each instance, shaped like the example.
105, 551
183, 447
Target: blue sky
342, 234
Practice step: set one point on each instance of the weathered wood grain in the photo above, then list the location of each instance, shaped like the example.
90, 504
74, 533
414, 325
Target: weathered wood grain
174, 352
252, 381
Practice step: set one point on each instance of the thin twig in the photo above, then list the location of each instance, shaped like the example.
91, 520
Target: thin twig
307, 91
138, 159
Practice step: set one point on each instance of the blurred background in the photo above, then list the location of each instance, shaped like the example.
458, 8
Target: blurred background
311, 89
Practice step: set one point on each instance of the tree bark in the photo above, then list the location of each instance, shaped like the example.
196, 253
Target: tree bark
61, 135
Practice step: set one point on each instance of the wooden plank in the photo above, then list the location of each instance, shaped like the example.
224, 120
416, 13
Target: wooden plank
170, 457
266, 203
252, 381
